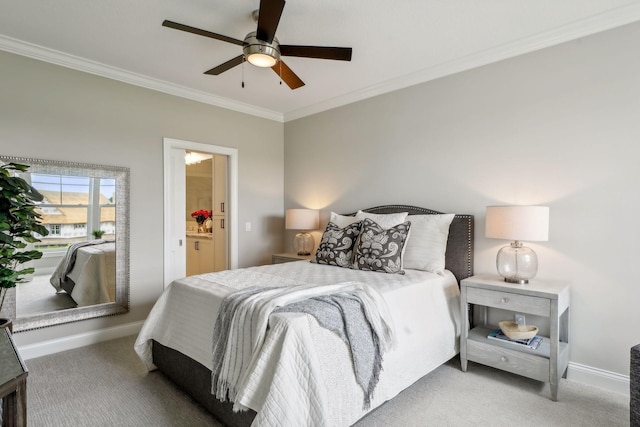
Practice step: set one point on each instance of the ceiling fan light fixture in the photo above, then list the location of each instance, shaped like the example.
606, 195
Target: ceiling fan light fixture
261, 60
260, 53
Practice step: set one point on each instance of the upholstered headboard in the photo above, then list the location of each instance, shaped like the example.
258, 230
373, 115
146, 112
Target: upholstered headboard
459, 256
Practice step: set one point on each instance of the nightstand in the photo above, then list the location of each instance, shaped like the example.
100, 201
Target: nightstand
13, 383
539, 298
288, 257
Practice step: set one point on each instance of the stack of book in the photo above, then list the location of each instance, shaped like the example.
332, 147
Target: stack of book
532, 343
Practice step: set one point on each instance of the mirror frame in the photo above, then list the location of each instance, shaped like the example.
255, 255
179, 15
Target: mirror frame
121, 304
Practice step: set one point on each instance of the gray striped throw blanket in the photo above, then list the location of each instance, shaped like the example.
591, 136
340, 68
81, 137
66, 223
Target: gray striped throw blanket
354, 311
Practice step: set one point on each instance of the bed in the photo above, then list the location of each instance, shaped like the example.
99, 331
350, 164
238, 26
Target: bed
87, 272
177, 337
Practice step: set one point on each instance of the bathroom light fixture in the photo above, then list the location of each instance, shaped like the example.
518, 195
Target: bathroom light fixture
304, 220
191, 158
517, 263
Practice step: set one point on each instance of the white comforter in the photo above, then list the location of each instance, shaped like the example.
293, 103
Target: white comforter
303, 375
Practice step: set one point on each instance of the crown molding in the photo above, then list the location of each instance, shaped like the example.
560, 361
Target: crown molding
581, 28
52, 56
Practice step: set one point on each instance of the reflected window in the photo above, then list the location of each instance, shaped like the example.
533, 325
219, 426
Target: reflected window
73, 208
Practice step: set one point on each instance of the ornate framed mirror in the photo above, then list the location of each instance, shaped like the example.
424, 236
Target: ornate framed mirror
84, 270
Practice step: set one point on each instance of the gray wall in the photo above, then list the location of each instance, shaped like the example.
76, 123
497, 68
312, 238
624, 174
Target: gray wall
558, 127
55, 113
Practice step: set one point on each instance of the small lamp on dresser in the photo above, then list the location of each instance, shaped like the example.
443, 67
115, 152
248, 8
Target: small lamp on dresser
304, 220
516, 262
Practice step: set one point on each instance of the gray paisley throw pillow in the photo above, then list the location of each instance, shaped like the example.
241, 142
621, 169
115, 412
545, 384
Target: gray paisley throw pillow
379, 249
336, 246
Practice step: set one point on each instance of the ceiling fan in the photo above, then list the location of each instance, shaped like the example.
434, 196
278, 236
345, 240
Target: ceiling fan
262, 49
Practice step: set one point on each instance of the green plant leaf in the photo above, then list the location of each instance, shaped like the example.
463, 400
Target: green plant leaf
17, 166
26, 271
6, 239
19, 220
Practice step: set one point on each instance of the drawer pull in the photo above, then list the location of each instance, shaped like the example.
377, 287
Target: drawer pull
504, 359
504, 300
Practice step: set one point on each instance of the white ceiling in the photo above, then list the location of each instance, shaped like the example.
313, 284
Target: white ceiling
395, 43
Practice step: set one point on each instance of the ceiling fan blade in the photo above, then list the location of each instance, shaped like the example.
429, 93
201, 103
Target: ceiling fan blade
200, 32
287, 75
226, 66
268, 19
337, 53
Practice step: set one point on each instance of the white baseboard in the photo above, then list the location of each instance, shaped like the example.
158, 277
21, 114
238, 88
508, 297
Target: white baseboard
598, 378
30, 351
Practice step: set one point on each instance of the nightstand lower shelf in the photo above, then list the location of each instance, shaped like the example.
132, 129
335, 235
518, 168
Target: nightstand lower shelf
523, 361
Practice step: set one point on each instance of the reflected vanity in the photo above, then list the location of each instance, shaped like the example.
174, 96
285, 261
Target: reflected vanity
86, 209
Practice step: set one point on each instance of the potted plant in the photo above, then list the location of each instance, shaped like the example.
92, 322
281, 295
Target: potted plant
19, 221
97, 234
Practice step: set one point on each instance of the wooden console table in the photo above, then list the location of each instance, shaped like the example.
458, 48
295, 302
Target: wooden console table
13, 383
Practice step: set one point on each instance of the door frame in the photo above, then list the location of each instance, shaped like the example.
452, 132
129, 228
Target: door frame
232, 199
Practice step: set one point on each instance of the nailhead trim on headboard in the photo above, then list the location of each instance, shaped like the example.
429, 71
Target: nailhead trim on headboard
459, 257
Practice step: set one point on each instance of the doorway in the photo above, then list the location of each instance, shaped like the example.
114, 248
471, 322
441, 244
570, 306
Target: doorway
175, 210
206, 213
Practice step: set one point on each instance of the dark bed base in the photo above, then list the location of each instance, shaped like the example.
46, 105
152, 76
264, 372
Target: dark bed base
195, 379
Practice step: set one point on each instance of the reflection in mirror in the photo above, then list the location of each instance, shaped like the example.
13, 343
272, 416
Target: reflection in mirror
84, 270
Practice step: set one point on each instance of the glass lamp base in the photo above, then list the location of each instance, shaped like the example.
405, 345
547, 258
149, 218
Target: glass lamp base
517, 263
303, 243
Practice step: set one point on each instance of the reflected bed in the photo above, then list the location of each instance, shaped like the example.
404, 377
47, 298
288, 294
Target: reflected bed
88, 273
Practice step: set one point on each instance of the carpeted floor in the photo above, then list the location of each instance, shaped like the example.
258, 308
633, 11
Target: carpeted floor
38, 296
106, 385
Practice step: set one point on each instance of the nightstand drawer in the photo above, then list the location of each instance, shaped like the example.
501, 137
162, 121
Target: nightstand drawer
509, 301
516, 362
287, 257
275, 259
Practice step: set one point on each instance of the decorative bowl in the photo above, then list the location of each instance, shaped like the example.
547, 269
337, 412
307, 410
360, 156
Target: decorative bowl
517, 332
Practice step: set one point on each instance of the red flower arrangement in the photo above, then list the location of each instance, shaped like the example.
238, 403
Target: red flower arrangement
201, 215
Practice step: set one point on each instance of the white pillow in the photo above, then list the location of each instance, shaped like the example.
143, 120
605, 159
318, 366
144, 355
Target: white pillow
386, 221
426, 248
342, 220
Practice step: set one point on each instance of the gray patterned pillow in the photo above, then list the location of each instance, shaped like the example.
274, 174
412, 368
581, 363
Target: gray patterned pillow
336, 246
379, 249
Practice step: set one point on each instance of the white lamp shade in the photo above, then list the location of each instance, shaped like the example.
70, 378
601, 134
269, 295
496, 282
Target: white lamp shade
302, 219
522, 223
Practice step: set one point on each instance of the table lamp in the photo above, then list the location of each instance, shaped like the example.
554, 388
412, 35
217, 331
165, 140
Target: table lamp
303, 220
517, 263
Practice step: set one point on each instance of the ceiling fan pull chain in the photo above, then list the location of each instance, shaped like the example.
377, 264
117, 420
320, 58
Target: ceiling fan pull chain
242, 66
280, 64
